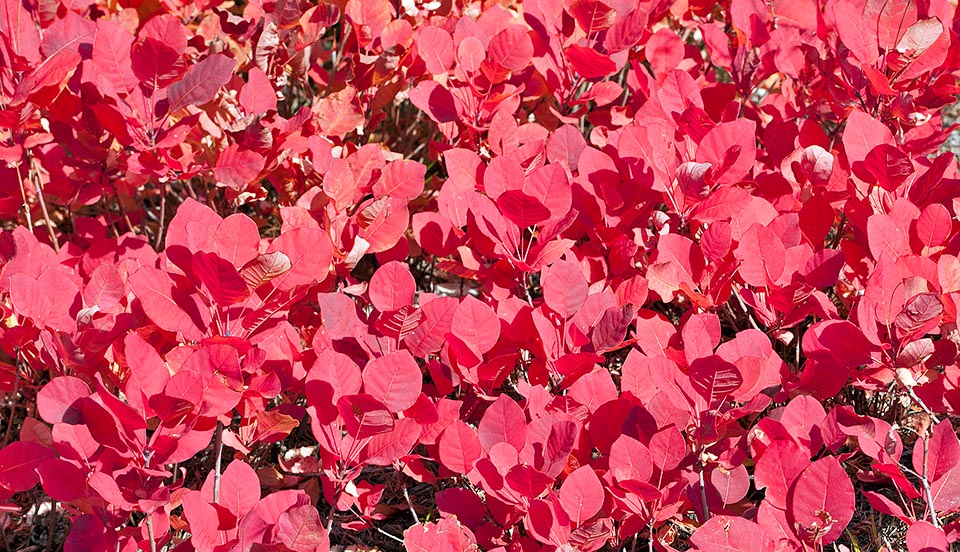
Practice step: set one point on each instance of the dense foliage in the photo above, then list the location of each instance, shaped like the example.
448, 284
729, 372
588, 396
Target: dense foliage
550, 275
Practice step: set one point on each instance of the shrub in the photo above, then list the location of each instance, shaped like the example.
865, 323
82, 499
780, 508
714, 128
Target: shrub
507, 276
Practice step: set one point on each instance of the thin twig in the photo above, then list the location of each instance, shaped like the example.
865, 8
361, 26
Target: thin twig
650, 540
43, 204
389, 535
13, 401
925, 481
406, 495
703, 493
746, 310
23, 196
163, 215
150, 536
218, 446
51, 524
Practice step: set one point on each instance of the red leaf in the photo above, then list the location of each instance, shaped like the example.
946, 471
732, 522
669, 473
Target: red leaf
300, 530
237, 168
436, 49
476, 325
564, 288
237, 240
511, 48
582, 495
436, 324
384, 449
364, 416
863, 133
257, 96
701, 335
193, 226
731, 534
222, 281
919, 37
627, 31
264, 268
589, 63
392, 287
592, 15
401, 179
394, 379
887, 165
844, 342
105, 288
821, 501
400, 323
934, 225
630, 460
18, 464
946, 491
168, 307
777, 468
730, 486
459, 447
447, 535
32, 299
62, 480
156, 54
738, 136
503, 422
942, 449
762, 256
55, 402
664, 51
856, 32
668, 448
310, 253
714, 378
111, 57
201, 82
434, 100
925, 537
239, 488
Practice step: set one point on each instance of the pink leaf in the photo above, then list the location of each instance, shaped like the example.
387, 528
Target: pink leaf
822, 501
201, 82
476, 325
392, 287
257, 96
310, 253
503, 422
459, 447
238, 167
762, 256
111, 56
401, 179
447, 535
776, 470
364, 416
18, 463
434, 100
582, 495
237, 240
564, 288
925, 537
731, 534
395, 379
592, 15
511, 48
169, 307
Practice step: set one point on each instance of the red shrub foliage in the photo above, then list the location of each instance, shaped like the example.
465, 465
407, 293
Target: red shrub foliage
550, 275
